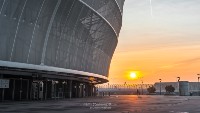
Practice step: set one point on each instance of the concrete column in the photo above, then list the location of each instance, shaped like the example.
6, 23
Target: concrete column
63, 88
1, 76
27, 89
96, 92
70, 89
45, 91
20, 92
31, 89
3, 94
77, 90
55, 92
91, 90
13, 91
84, 90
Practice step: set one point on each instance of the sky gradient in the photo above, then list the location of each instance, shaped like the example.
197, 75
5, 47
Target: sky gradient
162, 45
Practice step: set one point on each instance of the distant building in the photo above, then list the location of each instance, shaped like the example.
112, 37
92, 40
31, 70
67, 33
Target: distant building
193, 87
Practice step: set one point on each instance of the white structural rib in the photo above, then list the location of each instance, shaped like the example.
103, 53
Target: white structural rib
118, 7
99, 16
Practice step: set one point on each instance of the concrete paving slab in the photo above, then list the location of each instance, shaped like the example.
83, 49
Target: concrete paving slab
109, 104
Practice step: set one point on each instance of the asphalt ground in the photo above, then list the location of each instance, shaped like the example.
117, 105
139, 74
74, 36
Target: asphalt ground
108, 104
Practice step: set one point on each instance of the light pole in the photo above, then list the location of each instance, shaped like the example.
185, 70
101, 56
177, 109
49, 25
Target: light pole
178, 85
160, 85
142, 87
178, 79
198, 84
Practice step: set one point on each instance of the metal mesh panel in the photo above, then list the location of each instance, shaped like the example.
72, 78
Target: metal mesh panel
24, 32
10, 12
40, 32
56, 32
109, 10
60, 33
121, 4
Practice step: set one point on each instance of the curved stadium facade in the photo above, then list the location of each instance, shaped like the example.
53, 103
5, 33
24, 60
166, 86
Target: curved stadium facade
56, 48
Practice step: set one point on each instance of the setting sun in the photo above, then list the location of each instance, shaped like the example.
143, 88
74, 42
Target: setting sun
133, 75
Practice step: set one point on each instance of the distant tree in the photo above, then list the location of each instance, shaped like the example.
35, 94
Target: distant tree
151, 89
169, 89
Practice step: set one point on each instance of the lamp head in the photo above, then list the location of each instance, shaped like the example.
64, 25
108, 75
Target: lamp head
178, 78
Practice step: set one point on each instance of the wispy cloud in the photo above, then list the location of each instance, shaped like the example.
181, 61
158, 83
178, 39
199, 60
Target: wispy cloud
189, 61
181, 63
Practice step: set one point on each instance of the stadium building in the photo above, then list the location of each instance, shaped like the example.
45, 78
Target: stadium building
53, 49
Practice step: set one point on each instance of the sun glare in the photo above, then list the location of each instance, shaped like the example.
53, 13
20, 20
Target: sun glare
133, 75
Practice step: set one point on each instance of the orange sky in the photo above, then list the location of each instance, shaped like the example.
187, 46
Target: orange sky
165, 45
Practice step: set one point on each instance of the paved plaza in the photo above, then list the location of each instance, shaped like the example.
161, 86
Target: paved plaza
108, 104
